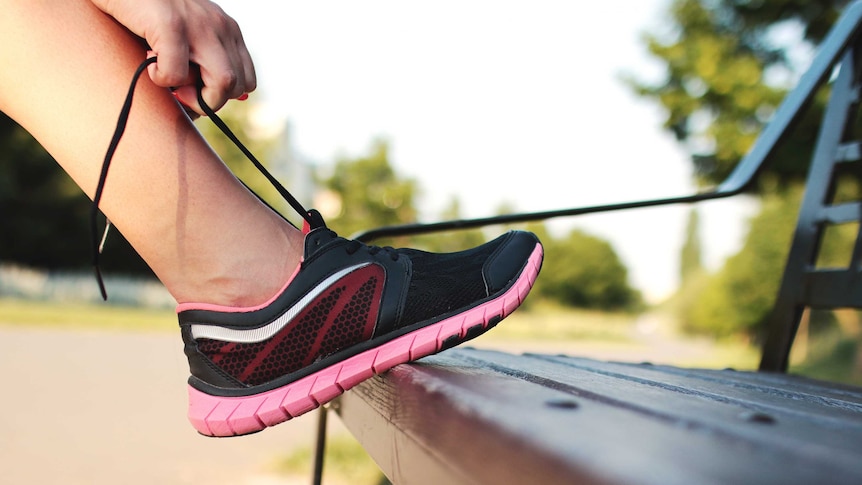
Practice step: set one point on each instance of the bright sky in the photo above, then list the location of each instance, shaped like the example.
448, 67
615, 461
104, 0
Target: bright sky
491, 102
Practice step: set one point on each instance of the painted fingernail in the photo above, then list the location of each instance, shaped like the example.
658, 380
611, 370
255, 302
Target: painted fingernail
242, 97
177, 97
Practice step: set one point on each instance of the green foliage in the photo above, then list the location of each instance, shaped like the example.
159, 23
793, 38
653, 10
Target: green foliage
370, 193
44, 216
584, 271
346, 462
32, 188
832, 355
726, 71
725, 76
739, 298
691, 264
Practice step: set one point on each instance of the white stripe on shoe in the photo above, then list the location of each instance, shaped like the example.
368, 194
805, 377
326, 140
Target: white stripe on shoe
254, 335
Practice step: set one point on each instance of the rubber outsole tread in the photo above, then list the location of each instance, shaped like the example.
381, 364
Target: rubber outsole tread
235, 416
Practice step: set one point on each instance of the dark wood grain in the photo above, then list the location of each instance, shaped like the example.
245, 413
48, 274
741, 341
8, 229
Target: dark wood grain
471, 416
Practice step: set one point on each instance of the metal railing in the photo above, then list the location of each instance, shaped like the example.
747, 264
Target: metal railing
740, 180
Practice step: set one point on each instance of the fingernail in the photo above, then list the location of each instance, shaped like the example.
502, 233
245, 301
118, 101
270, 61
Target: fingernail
177, 97
242, 97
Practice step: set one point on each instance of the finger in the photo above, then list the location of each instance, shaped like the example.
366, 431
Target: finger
249, 74
213, 93
172, 67
188, 96
219, 85
223, 77
189, 111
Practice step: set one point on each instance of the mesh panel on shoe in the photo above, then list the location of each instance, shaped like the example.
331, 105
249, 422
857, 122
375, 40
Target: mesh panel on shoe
342, 316
444, 282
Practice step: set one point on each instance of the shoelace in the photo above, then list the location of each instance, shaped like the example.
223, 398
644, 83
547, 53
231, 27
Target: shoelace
312, 217
355, 246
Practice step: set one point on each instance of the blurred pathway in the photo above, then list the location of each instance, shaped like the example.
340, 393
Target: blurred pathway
91, 407
102, 407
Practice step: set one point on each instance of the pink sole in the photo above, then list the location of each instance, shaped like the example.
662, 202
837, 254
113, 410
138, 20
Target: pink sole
234, 416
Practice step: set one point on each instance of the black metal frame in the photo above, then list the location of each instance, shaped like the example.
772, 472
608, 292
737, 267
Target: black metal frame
802, 284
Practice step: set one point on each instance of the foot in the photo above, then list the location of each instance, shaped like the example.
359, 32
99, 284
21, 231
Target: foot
349, 312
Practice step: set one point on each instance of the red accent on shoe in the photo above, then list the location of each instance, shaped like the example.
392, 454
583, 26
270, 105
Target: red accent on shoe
340, 317
232, 416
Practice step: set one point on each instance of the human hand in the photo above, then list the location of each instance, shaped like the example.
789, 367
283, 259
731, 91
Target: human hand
193, 40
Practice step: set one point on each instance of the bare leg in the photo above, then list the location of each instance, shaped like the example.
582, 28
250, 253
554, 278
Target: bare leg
66, 67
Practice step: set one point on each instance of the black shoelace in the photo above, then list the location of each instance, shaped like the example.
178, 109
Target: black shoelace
312, 217
353, 246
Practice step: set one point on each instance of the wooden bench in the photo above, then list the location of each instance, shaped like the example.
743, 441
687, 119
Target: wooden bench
482, 417
468, 416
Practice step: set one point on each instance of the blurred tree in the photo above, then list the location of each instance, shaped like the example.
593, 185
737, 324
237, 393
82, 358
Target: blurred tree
691, 264
44, 216
38, 202
692, 275
586, 273
370, 193
727, 68
728, 64
739, 298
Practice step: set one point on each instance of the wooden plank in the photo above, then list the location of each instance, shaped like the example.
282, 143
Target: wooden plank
469, 416
823, 427
783, 396
780, 380
410, 425
830, 429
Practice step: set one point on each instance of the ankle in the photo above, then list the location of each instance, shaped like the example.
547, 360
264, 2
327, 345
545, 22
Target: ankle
246, 292
245, 280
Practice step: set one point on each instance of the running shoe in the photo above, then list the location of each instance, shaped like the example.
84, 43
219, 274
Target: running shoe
350, 311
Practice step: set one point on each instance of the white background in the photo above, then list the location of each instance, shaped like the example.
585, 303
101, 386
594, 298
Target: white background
492, 102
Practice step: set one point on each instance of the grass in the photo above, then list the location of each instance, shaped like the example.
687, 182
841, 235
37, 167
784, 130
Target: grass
832, 356
550, 323
346, 462
543, 324
50, 314
726, 354
538, 328
590, 333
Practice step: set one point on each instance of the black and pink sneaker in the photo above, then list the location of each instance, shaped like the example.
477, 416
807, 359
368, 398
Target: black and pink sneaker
349, 312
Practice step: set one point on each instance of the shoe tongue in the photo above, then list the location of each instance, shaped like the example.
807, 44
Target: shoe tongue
316, 233
312, 222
